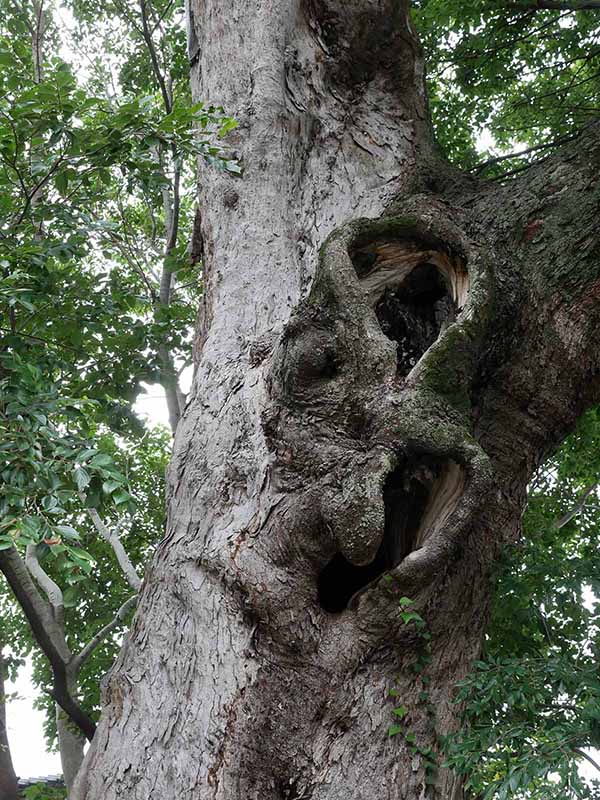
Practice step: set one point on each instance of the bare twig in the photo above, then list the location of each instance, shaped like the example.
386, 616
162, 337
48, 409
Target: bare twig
577, 508
583, 754
162, 17
80, 659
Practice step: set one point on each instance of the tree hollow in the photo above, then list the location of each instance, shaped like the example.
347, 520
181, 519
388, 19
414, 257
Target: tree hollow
416, 292
417, 498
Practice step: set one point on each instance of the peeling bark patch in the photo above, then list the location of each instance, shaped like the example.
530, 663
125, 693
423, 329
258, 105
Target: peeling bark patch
414, 497
532, 229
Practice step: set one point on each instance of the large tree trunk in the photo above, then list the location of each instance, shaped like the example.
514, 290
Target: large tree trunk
386, 350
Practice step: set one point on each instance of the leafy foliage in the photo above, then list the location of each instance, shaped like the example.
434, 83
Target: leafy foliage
97, 200
92, 595
527, 76
40, 791
533, 701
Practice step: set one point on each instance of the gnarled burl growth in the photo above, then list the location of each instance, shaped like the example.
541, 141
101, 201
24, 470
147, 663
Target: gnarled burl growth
401, 297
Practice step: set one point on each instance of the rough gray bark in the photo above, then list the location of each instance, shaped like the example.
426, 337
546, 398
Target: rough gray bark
386, 351
8, 779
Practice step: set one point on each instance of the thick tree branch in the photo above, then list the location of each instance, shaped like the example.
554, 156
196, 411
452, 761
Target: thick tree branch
46, 634
8, 778
38, 31
536, 148
147, 34
168, 374
172, 213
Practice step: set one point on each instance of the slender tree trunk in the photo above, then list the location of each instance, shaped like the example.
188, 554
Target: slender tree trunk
8, 779
386, 350
70, 740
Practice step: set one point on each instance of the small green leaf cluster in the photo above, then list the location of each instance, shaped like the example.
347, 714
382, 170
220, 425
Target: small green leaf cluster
82, 220
93, 592
40, 791
45, 462
528, 721
419, 665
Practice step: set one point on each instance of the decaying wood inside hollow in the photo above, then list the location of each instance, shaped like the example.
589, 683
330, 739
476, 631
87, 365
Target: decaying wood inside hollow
446, 491
418, 498
386, 264
415, 291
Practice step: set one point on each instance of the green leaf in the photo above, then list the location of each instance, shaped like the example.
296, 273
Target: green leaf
122, 497
61, 181
82, 554
67, 531
410, 616
110, 486
101, 460
71, 596
82, 478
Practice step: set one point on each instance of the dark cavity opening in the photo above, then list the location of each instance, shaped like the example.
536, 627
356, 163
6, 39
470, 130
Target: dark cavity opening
405, 495
414, 313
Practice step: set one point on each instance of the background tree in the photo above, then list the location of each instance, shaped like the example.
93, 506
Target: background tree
8, 778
